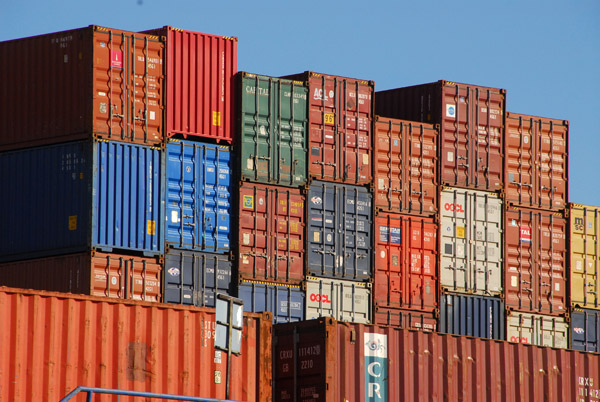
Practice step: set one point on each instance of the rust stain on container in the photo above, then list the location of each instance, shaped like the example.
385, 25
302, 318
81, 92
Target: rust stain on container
55, 342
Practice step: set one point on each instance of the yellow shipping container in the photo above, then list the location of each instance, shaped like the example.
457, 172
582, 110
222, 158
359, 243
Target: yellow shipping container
584, 223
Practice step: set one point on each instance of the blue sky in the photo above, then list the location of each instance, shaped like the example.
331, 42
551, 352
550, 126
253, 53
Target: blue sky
546, 54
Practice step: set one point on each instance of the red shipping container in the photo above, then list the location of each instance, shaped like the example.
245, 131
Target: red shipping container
537, 162
535, 261
405, 173
406, 319
199, 84
406, 274
325, 360
89, 273
271, 233
83, 83
471, 120
54, 342
340, 127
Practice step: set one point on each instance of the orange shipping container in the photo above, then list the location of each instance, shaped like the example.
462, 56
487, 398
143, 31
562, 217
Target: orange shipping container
52, 343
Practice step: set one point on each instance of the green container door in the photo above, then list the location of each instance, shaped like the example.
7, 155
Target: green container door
274, 126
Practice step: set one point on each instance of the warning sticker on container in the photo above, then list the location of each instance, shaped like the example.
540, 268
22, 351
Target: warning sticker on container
151, 228
329, 118
216, 118
116, 59
525, 234
249, 201
460, 232
73, 222
450, 110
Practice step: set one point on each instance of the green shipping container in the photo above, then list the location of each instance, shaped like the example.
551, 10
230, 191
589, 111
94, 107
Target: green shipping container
274, 125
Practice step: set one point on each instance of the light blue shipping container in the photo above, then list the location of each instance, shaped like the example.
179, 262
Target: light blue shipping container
78, 196
198, 202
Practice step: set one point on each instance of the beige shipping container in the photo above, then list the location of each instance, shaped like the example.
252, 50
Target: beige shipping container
470, 241
537, 329
584, 255
343, 300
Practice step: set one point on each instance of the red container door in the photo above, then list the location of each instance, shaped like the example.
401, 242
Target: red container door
406, 262
535, 261
271, 233
406, 319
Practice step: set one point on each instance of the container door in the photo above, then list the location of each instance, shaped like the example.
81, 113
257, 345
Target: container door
585, 330
343, 300
585, 254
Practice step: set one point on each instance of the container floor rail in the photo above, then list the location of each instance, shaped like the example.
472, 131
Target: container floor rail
90, 393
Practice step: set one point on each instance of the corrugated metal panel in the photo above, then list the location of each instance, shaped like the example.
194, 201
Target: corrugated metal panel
69, 341
340, 119
405, 172
536, 256
536, 141
89, 273
274, 130
470, 241
584, 253
342, 300
408, 319
285, 302
198, 196
101, 194
194, 278
271, 233
585, 330
405, 262
83, 83
321, 360
537, 329
199, 84
471, 120
472, 316
339, 231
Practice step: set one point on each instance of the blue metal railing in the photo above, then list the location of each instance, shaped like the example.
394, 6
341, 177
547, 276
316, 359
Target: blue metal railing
90, 393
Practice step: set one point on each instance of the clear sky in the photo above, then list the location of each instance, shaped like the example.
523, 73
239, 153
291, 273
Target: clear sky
546, 54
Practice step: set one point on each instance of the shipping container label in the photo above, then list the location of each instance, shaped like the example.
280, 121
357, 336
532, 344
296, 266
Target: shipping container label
390, 234
329, 118
151, 228
116, 59
249, 201
451, 111
525, 234
216, 118
376, 367
73, 222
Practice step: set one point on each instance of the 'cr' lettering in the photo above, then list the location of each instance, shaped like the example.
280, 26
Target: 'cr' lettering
453, 207
319, 298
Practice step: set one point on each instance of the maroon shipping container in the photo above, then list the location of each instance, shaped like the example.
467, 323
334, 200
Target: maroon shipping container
271, 233
325, 360
199, 84
471, 120
406, 274
89, 273
407, 319
76, 84
536, 162
405, 172
340, 125
535, 261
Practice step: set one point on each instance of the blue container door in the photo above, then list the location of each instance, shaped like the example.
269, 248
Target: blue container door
285, 302
198, 207
478, 316
585, 330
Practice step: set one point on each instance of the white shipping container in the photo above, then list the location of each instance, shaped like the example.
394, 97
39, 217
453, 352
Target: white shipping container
537, 329
470, 241
343, 300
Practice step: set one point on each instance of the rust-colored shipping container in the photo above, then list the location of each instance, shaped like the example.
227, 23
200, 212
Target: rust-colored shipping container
271, 233
406, 274
407, 319
471, 119
584, 256
325, 360
73, 85
535, 271
536, 162
340, 127
89, 273
55, 342
405, 171
199, 84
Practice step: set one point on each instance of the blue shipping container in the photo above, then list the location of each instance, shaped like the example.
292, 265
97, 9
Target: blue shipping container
193, 278
470, 315
340, 228
585, 330
198, 181
285, 302
78, 196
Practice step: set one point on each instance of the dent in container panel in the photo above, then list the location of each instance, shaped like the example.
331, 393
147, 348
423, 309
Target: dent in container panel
585, 330
584, 255
537, 329
285, 302
343, 300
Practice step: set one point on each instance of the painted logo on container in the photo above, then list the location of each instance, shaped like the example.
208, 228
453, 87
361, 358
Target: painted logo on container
316, 297
316, 200
376, 367
248, 201
525, 234
173, 271
579, 331
453, 207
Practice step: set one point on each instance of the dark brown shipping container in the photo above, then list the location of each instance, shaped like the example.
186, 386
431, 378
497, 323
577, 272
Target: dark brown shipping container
76, 84
405, 171
471, 120
89, 273
199, 84
536, 162
535, 261
406, 319
54, 342
271, 233
325, 360
340, 127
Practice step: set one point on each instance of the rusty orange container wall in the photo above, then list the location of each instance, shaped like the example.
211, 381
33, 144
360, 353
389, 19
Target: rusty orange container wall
85, 82
324, 360
199, 84
52, 343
